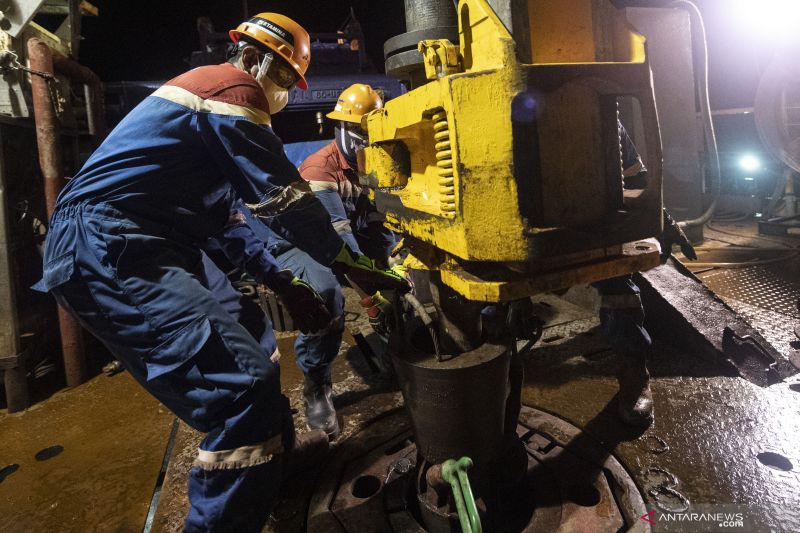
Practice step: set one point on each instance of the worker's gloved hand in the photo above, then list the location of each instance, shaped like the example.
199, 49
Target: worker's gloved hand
673, 234
380, 313
363, 272
305, 305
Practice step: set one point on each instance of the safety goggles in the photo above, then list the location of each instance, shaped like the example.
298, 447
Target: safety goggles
278, 71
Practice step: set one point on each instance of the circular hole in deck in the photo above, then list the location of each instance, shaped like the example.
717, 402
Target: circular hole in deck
775, 461
49, 453
7, 471
583, 495
366, 487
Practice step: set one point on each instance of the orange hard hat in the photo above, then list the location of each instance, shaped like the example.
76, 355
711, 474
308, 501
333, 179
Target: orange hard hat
355, 102
283, 36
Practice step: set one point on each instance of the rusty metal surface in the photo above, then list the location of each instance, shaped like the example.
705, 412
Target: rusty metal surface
368, 484
41, 58
101, 447
95, 110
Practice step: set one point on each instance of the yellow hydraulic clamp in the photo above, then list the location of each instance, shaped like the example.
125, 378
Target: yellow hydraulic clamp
507, 176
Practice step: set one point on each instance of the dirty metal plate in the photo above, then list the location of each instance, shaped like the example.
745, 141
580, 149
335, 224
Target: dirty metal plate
362, 490
777, 328
111, 436
758, 286
765, 298
685, 312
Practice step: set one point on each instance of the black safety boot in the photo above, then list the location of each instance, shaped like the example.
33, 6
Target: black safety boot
318, 402
635, 401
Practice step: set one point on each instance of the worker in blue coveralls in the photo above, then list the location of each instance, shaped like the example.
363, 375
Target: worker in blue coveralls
621, 312
123, 256
331, 173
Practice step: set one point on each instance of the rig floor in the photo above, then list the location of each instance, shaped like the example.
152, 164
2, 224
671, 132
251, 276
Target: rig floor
719, 443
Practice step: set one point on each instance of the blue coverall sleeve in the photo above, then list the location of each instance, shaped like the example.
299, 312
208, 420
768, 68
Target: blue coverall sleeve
252, 158
332, 202
245, 250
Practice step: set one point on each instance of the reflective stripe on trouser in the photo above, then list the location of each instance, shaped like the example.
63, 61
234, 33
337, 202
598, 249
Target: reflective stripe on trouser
622, 315
175, 325
315, 352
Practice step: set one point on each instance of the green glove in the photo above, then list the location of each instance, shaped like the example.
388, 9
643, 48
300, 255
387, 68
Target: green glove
304, 304
362, 270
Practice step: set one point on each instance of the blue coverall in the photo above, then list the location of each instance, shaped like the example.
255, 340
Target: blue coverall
123, 256
358, 223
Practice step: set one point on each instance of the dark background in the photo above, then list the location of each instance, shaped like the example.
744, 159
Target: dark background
147, 40
150, 40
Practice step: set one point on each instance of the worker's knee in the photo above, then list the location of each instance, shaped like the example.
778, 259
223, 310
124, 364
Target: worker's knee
221, 380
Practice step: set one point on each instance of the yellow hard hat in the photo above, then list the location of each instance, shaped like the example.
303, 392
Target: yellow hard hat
282, 35
355, 102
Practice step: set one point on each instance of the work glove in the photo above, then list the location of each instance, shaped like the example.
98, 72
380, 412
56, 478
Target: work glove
673, 234
363, 272
305, 305
380, 313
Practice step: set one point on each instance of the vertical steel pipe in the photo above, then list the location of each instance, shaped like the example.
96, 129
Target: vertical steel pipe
93, 89
425, 14
41, 58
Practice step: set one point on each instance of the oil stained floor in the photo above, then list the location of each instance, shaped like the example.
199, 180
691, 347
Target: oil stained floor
716, 439
87, 459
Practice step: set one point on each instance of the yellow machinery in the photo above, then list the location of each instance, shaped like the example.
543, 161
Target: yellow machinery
505, 179
507, 176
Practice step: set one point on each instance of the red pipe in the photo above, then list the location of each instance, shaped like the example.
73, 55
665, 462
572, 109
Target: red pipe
42, 59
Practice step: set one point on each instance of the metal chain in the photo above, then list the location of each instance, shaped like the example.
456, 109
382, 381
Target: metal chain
10, 61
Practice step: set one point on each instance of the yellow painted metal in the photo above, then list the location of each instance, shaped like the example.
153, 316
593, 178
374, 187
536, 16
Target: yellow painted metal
635, 257
562, 31
582, 31
441, 58
441, 158
409, 150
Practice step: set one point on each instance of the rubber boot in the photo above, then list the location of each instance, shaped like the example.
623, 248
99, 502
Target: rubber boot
318, 402
635, 401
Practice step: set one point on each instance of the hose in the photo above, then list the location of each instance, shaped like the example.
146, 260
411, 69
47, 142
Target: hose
750, 237
744, 264
708, 124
